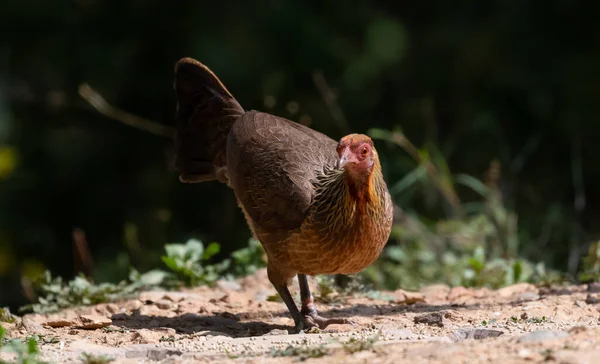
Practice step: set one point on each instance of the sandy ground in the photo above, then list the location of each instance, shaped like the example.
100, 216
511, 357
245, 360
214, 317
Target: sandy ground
235, 322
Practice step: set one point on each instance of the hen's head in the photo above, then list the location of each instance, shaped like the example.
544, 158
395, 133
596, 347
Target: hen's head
357, 155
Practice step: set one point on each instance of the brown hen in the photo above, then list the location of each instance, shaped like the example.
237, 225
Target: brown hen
317, 206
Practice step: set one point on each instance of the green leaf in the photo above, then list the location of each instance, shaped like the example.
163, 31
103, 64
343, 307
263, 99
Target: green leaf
416, 175
211, 250
153, 278
194, 250
175, 250
171, 262
477, 262
476, 265
32, 347
517, 270
397, 254
473, 183
377, 133
79, 284
6, 316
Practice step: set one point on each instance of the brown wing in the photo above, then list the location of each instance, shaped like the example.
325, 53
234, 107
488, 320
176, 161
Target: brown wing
271, 163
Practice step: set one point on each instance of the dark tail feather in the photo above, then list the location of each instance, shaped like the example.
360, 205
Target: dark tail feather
205, 113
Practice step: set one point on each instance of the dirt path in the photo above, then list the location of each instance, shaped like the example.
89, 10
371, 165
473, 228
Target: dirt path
235, 322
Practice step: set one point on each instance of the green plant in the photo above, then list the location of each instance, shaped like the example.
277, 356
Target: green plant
524, 318
476, 244
485, 323
6, 316
332, 289
169, 338
44, 339
25, 352
302, 352
327, 290
248, 260
538, 320
188, 260
355, 345
187, 263
54, 294
88, 358
452, 252
591, 264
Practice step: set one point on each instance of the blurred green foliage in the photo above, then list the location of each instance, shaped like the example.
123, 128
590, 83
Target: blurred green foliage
54, 294
185, 260
187, 265
189, 262
476, 244
6, 316
87, 358
302, 352
449, 86
591, 264
25, 352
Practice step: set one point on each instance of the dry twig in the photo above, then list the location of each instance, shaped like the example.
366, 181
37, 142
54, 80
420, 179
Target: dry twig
99, 103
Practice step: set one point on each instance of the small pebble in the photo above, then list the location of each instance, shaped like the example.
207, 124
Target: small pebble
164, 304
31, 326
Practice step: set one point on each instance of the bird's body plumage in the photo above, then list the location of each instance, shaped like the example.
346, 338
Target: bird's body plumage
298, 204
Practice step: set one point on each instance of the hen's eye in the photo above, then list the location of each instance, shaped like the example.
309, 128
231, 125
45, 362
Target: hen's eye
364, 151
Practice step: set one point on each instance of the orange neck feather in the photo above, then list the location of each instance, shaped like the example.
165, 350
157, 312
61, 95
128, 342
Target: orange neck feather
363, 187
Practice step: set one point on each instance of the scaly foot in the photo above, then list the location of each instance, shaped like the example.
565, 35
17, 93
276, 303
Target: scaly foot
308, 316
314, 320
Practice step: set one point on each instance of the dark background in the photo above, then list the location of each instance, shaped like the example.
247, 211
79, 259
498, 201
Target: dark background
512, 81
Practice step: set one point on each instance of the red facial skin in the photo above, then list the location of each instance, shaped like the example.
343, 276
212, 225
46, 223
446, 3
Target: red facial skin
358, 158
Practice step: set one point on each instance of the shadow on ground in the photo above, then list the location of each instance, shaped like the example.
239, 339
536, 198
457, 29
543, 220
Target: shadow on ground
247, 324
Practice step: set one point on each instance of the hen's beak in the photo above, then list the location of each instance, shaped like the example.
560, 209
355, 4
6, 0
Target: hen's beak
347, 158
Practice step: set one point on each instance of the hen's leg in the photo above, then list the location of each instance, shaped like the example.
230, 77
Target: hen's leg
287, 298
310, 316
279, 281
